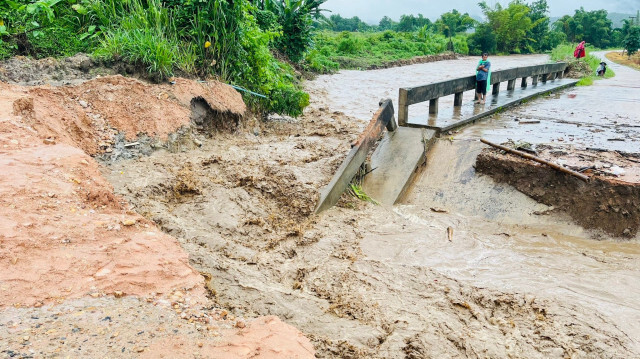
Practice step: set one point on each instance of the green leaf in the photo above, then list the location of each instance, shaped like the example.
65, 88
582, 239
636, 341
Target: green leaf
80, 9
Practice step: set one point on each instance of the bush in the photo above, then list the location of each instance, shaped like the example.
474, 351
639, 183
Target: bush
318, 62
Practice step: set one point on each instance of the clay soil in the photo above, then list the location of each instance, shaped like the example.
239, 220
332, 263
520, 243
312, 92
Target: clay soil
82, 274
189, 232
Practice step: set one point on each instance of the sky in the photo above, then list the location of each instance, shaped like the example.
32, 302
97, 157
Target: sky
371, 11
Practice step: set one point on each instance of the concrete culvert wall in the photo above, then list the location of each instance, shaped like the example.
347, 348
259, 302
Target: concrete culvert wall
208, 120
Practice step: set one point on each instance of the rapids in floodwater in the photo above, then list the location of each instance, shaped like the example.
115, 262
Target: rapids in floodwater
502, 238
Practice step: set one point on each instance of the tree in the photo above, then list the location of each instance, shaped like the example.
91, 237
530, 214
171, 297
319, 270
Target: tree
591, 26
539, 34
339, 24
632, 41
510, 25
453, 22
483, 40
386, 23
410, 23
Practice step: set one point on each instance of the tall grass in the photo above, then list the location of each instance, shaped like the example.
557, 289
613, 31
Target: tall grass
354, 50
142, 32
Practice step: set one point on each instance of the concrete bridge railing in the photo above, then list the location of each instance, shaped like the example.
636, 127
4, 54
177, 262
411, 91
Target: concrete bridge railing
432, 92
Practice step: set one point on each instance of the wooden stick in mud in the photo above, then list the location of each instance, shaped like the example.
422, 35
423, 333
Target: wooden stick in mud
538, 159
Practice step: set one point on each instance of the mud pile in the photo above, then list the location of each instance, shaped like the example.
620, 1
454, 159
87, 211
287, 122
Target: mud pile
92, 114
71, 249
607, 202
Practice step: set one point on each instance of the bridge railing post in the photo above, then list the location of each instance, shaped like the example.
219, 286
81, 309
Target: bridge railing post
403, 108
496, 88
433, 106
511, 85
524, 82
457, 99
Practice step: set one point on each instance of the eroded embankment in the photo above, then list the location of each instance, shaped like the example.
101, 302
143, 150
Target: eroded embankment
70, 249
602, 203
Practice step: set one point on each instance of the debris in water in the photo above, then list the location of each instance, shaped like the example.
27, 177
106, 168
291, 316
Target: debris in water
439, 210
450, 234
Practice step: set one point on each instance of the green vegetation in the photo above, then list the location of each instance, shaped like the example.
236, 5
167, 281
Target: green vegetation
217, 38
258, 44
632, 41
591, 26
352, 50
586, 66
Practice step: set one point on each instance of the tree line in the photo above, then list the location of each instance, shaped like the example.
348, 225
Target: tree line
519, 27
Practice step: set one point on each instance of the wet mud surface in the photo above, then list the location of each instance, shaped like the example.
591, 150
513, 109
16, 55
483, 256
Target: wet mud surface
464, 267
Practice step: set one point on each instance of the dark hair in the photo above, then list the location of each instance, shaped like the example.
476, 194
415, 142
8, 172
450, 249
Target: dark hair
485, 54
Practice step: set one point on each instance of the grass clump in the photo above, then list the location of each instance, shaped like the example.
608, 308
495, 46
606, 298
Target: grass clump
355, 187
142, 34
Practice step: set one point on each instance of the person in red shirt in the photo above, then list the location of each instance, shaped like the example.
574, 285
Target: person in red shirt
579, 51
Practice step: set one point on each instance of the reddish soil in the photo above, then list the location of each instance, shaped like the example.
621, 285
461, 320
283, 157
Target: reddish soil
609, 201
65, 235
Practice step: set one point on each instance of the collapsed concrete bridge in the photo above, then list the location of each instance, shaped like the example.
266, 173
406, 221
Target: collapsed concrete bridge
404, 146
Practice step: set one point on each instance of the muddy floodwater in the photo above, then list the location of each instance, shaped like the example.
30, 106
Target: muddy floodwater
503, 239
462, 267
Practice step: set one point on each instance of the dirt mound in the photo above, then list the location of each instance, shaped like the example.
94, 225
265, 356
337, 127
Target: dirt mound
92, 114
134, 328
603, 203
67, 71
50, 71
578, 69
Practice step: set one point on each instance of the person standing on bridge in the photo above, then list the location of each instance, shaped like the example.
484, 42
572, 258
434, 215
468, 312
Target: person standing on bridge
483, 78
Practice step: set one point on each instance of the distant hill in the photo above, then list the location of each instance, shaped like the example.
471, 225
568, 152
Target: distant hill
615, 17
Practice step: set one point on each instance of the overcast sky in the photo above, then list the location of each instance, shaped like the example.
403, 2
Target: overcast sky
371, 11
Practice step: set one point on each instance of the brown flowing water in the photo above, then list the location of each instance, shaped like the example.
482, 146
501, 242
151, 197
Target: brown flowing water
502, 238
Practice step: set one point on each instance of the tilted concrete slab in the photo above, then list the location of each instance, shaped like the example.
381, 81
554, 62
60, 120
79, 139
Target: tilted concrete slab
450, 117
383, 118
395, 162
